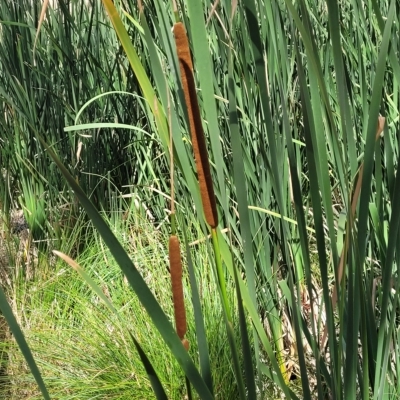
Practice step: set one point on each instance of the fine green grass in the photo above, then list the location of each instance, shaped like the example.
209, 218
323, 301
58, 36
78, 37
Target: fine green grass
85, 352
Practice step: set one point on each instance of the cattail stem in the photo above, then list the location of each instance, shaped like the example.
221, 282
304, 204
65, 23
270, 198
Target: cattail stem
196, 127
177, 288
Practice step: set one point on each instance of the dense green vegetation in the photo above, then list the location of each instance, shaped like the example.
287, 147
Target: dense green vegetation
299, 103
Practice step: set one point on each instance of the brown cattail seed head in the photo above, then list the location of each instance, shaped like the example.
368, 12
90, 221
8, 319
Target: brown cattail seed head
177, 288
196, 127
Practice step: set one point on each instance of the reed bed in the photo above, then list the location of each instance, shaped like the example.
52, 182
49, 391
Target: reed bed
267, 132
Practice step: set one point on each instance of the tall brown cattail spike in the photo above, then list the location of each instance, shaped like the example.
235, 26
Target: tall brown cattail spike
196, 127
175, 264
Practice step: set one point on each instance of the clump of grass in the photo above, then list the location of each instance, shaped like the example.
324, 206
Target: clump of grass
83, 351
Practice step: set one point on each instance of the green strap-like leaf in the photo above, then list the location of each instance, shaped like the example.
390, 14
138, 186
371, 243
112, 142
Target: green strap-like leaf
202, 344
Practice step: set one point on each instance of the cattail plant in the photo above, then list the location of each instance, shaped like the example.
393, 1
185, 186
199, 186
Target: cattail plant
205, 180
199, 148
